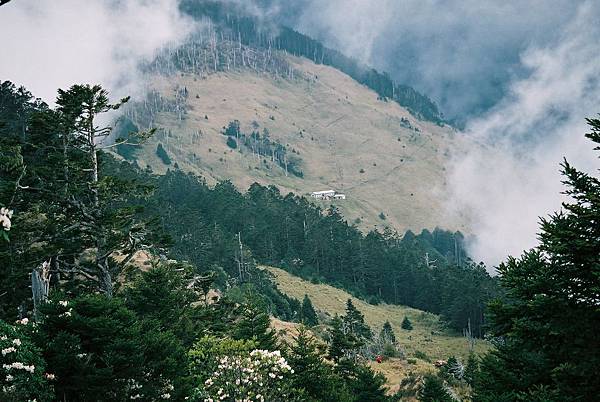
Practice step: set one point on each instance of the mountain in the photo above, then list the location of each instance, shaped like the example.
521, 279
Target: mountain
296, 124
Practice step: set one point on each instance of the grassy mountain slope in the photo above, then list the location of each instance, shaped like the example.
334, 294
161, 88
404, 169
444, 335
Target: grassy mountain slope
345, 137
428, 337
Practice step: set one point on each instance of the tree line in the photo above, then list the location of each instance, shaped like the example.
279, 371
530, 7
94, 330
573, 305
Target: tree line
428, 271
250, 31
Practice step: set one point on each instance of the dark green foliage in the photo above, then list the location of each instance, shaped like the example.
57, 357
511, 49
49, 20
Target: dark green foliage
453, 370
161, 295
124, 127
254, 325
341, 344
406, 324
387, 333
471, 369
549, 323
433, 390
309, 315
233, 129
262, 145
231, 143
162, 154
313, 376
98, 349
409, 386
382, 216
365, 385
16, 384
354, 322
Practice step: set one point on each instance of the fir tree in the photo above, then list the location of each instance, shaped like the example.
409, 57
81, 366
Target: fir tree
406, 324
342, 345
355, 322
366, 385
255, 325
471, 369
549, 322
387, 333
312, 374
433, 390
309, 315
231, 143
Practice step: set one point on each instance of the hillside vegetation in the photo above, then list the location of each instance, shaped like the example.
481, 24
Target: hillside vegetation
339, 133
429, 334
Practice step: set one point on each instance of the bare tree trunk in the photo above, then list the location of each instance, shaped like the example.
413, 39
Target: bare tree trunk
40, 286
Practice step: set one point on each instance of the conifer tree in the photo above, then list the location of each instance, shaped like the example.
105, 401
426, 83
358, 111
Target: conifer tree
471, 369
433, 390
366, 385
342, 345
309, 315
355, 322
255, 325
549, 323
311, 373
387, 333
406, 324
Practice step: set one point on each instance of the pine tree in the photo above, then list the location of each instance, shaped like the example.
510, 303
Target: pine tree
255, 325
387, 333
549, 322
311, 373
366, 385
433, 390
406, 324
471, 369
354, 321
309, 315
342, 345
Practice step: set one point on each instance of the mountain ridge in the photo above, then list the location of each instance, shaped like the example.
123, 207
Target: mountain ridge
345, 136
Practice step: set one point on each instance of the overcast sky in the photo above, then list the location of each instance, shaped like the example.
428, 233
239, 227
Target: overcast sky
520, 75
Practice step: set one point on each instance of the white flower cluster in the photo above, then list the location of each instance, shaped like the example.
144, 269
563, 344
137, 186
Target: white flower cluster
253, 378
69, 312
5, 216
19, 366
24, 321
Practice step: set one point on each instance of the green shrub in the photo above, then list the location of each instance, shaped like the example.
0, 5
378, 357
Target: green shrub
422, 355
162, 154
231, 143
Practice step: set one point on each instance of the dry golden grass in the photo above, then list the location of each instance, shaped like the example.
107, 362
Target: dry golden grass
338, 127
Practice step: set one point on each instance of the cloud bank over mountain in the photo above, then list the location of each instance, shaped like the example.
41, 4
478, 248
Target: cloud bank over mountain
462, 53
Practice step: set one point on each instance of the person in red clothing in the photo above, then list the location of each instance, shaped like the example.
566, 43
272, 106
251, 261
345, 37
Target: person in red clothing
379, 358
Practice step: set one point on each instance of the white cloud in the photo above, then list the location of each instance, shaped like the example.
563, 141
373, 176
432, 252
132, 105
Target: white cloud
516, 178
53, 44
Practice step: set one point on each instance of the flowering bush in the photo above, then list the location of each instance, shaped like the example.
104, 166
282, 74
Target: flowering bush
259, 376
22, 374
5, 223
